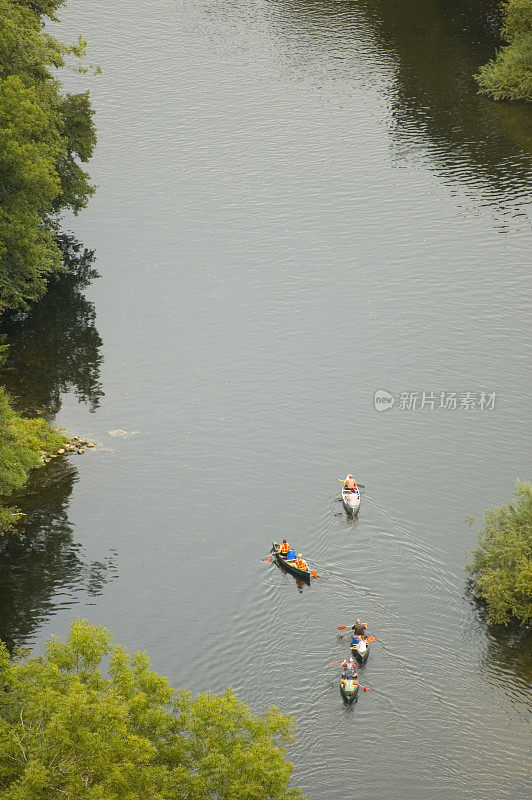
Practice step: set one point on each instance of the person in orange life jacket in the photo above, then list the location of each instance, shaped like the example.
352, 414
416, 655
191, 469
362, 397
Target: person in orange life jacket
350, 668
350, 484
284, 548
300, 562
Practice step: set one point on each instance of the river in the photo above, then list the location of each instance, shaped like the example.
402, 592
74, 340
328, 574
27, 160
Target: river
299, 204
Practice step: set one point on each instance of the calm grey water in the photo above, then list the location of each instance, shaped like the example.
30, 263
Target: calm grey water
299, 203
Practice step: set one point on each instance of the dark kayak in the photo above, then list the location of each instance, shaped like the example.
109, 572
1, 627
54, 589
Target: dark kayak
290, 565
349, 689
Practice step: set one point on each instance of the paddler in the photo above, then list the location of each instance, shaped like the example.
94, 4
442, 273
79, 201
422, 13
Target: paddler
350, 484
284, 548
353, 678
350, 667
360, 644
300, 562
359, 628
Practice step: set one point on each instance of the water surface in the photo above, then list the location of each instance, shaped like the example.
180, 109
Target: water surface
299, 204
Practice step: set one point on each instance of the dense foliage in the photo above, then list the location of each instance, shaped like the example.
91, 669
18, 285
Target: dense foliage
23, 444
509, 75
44, 134
69, 730
501, 566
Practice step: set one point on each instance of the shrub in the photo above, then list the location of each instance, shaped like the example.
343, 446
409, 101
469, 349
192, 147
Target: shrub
509, 75
24, 443
501, 566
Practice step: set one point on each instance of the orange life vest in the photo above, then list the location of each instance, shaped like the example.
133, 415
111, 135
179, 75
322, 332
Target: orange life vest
301, 563
285, 547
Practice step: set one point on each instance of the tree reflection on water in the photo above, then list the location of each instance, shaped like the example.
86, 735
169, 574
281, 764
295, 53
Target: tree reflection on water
421, 56
53, 348
508, 653
41, 566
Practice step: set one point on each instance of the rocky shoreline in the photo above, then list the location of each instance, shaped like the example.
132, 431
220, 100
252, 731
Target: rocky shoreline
74, 446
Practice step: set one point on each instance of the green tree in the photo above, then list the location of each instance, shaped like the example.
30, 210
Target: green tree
509, 75
501, 566
67, 729
44, 134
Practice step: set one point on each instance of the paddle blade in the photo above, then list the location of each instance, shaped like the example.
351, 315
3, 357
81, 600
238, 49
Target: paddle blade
371, 639
341, 627
314, 574
268, 559
334, 664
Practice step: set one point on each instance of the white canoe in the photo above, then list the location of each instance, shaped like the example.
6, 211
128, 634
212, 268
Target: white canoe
351, 500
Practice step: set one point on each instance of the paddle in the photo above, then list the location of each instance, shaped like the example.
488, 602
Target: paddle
312, 572
370, 639
343, 627
269, 557
359, 485
364, 688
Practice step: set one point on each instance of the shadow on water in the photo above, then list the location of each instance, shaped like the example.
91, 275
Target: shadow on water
507, 655
430, 49
55, 347
438, 48
301, 585
41, 566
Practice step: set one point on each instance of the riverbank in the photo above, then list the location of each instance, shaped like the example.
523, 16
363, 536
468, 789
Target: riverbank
26, 444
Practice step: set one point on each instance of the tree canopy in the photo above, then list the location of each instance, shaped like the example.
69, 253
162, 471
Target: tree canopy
69, 728
44, 134
509, 75
501, 566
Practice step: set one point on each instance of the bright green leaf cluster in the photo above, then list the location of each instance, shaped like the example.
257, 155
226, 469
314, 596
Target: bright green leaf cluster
509, 75
67, 729
23, 445
43, 137
501, 566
